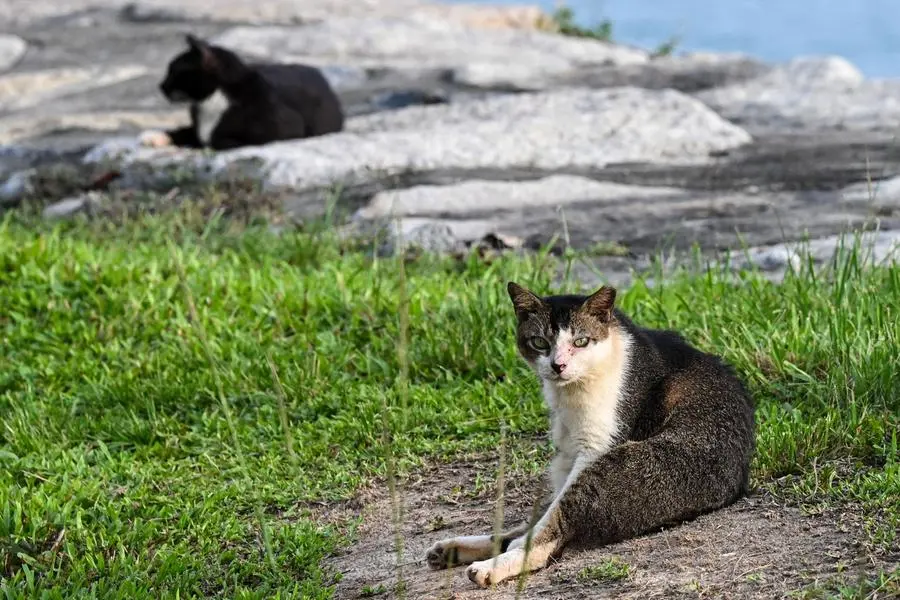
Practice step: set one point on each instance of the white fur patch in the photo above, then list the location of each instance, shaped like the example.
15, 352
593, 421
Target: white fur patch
583, 405
209, 113
509, 564
155, 139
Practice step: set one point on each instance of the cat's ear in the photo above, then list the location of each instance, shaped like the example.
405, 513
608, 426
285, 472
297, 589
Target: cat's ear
524, 301
600, 304
194, 42
206, 53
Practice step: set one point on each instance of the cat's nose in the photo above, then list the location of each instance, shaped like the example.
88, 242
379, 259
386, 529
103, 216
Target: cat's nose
558, 367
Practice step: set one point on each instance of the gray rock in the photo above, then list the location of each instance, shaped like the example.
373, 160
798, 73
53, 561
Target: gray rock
874, 247
495, 198
482, 58
12, 49
810, 93
16, 187
21, 90
427, 236
391, 236
20, 158
69, 207
882, 196
572, 128
685, 72
140, 12
22, 12
115, 149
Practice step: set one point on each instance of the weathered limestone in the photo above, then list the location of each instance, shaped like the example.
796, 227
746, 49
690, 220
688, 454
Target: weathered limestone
552, 130
482, 58
12, 48
21, 12
498, 197
810, 93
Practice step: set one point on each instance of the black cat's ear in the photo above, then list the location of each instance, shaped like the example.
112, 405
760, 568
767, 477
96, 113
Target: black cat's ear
600, 303
194, 42
524, 301
206, 53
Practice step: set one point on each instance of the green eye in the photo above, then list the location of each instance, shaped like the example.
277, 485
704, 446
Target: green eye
539, 343
580, 342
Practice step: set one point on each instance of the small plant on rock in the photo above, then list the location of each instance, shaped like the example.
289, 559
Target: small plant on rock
564, 20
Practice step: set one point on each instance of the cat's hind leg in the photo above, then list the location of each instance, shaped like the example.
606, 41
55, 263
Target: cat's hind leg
633, 489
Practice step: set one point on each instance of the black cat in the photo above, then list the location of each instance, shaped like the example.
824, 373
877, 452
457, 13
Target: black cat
236, 104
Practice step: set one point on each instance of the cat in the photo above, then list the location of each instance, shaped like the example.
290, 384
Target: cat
648, 432
233, 104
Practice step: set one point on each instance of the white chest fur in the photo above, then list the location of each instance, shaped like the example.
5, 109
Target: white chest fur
584, 416
209, 113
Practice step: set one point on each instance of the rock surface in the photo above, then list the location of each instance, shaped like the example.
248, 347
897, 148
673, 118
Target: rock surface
810, 94
25, 12
468, 122
470, 57
551, 130
875, 247
12, 48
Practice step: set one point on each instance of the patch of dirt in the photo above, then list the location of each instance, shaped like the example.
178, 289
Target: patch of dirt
755, 549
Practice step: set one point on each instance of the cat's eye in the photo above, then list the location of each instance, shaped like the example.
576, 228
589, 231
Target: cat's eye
539, 343
581, 342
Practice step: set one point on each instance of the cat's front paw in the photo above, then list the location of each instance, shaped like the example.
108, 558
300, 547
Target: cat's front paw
482, 573
155, 139
442, 555
495, 570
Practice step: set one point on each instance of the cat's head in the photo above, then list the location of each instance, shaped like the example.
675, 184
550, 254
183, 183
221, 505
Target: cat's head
195, 74
565, 339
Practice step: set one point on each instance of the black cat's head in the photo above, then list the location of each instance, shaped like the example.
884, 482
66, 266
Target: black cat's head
195, 74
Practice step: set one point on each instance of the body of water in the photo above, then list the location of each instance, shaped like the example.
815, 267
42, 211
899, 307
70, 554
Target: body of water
866, 32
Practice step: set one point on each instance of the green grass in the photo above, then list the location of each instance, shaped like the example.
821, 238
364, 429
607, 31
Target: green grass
610, 570
883, 585
130, 467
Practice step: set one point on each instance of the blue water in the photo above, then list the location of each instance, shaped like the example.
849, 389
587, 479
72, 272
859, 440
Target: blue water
866, 32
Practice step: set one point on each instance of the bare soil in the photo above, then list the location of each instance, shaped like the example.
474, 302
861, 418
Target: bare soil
756, 548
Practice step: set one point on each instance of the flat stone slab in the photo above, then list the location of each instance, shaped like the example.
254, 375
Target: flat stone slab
551, 130
478, 57
12, 48
690, 72
877, 247
812, 93
22, 90
24, 12
477, 198
592, 213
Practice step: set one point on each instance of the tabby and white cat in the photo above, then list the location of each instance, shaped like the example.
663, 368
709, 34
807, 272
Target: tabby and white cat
648, 432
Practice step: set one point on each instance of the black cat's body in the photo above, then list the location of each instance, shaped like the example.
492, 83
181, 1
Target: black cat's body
233, 104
